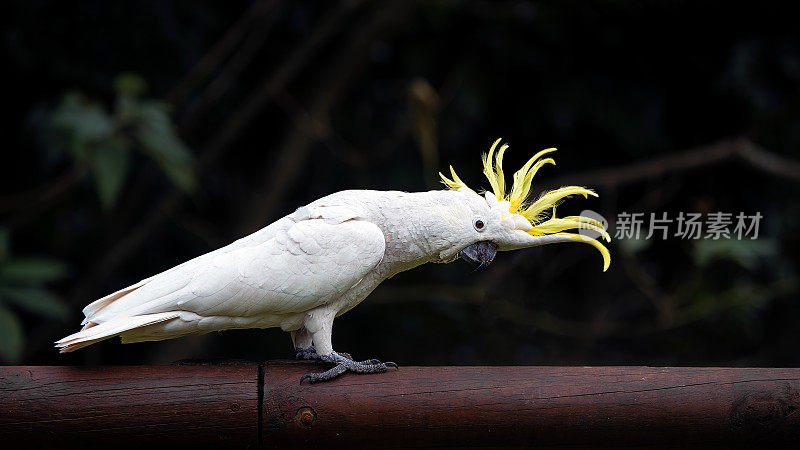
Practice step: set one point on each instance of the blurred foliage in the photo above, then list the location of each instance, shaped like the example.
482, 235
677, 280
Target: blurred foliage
103, 140
23, 287
745, 252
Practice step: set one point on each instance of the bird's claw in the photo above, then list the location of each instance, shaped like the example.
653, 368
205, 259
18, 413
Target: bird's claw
307, 376
345, 364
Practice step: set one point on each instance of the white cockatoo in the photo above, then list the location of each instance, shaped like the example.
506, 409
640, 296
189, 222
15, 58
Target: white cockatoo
304, 270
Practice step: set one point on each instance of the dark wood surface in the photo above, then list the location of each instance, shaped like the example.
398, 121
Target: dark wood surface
126, 407
204, 406
535, 406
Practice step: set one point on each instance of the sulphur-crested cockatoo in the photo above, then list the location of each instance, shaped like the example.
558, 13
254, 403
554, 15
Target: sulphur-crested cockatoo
309, 267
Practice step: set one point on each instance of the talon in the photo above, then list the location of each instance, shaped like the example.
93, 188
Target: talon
342, 363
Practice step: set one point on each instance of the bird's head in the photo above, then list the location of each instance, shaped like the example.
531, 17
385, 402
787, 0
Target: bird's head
503, 219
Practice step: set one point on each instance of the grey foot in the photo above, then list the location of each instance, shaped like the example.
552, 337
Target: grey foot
311, 354
343, 364
306, 353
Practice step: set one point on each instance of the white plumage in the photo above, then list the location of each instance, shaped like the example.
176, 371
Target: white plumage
270, 278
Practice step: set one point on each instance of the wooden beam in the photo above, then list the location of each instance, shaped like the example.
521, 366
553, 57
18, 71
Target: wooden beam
218, 406
534, 406
126, 407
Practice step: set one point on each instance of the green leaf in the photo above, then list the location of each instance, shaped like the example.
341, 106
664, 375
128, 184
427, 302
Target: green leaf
159, 141
32, 270
11, 337
81, 122
109, 165
36, 301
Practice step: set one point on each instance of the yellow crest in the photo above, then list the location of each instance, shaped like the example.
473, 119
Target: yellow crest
541, 213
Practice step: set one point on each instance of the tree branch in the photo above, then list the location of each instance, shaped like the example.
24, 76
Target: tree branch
44, 194
228, 74
739, 148
212, 60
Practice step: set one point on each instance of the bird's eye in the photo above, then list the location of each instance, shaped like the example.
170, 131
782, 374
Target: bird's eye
479, 225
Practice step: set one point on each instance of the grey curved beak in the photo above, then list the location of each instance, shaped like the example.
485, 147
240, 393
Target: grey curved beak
479, 254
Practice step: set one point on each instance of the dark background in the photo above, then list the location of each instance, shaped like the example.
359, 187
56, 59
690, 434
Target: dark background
141, 134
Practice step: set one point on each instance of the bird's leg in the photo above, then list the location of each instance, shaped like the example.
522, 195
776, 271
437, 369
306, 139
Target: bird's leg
303, 347
320, 328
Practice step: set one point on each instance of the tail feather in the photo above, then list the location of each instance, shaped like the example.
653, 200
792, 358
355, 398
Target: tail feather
92, 334
93, 308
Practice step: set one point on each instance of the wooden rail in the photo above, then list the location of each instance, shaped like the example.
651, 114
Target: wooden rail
263, 405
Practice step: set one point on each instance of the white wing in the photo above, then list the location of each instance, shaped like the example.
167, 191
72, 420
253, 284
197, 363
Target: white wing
296, 264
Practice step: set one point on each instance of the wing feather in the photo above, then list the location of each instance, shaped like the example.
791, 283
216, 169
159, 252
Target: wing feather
294, 265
